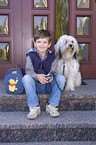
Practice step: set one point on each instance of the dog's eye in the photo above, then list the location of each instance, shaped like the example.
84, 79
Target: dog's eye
72, 41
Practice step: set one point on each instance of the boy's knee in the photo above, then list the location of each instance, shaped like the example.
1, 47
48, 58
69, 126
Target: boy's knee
61, 78
27, 79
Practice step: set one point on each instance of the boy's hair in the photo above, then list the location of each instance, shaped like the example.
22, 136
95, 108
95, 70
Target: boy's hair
42, 34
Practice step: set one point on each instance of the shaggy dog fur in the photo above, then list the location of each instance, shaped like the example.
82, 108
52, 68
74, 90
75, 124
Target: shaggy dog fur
66, 50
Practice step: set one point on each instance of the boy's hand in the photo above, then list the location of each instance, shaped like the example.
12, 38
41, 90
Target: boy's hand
42, 79
49, 78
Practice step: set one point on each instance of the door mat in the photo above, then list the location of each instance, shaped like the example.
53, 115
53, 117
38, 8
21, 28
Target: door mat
83, 83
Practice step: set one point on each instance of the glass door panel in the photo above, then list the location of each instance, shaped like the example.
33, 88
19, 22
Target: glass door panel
4, 24
3, 3
4, 52
40, 3
83, 3
84, 52
83, 26
40, 22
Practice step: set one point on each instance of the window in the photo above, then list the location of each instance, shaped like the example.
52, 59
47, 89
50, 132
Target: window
4, 28
40, 3
40, 22
83, 25
84, 52
83, 3
4, 52
3, 3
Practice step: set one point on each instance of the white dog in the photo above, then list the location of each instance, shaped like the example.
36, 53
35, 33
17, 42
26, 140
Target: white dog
66, 50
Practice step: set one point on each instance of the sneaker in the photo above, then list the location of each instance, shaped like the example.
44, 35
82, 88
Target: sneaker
52, 110
34, 112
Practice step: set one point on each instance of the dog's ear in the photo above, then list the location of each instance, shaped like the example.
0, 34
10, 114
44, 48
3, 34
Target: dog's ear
75, 55
60, 54
57, 49
59, 46
77, 46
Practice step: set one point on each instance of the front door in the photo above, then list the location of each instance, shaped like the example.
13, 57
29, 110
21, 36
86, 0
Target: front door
83, 27
10, 35
20, 19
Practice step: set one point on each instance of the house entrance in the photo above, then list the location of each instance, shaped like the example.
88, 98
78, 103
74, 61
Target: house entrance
20, 19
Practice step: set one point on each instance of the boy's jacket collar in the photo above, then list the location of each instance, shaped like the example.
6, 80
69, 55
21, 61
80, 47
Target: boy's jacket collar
34, 50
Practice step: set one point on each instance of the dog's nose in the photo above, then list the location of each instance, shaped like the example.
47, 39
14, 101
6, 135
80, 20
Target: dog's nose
70, 45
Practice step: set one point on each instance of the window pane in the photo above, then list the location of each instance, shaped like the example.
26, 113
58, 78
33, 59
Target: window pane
62, 18
3, 3
4, 24
40, 22
4, 52
83, 3
83, 25
84, 52
40, 3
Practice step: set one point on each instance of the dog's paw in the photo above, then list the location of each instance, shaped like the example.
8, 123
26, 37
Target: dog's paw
69, 89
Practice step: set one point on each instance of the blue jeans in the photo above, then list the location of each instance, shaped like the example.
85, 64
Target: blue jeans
32, 87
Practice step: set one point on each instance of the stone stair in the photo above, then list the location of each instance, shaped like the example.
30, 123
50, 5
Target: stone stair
54, 143
76, 124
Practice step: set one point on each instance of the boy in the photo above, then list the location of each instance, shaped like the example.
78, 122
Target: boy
41, 76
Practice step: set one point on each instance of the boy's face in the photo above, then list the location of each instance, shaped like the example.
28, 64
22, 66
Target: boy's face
42, 44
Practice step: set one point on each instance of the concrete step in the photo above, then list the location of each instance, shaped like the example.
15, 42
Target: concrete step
82, 99
54, 143
69, 102
70, 126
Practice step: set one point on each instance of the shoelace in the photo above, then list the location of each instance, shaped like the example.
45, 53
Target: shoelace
33, 109
54, 108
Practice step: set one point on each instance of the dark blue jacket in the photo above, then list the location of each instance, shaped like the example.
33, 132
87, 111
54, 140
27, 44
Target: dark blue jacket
41, 67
